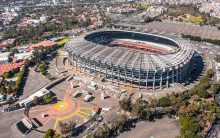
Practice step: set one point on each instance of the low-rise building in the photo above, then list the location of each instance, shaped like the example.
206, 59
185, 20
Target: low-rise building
45, 43
28, 101
9, 66
4, 57
88, 98
22, 56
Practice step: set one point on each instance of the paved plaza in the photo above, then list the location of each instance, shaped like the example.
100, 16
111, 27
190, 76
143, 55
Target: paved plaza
7, 129
162, 128
178, 28
64, 110
33, 83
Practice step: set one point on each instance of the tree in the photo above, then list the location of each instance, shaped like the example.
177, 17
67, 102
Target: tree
42, 68
203, 94
192, 110
19, 80
147, 115
74, 20
3, 89
149, 19
164, 102
9, 89
125, 105
170, 111
101, 132
119, 124
6, 75
85, 23
184, 120
67, 128
153, 103
122, 120
191, 130
140, 108
49, 133
215, 88
37, 100
48, 98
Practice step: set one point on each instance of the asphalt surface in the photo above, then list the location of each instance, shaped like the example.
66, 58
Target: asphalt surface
185, 28
162, 128
33, 83
7, 121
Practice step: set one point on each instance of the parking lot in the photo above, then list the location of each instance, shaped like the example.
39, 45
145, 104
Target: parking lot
162, 128
33, 83
184, 28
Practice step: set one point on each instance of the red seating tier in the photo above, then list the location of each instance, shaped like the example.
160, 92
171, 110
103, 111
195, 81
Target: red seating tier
149, 49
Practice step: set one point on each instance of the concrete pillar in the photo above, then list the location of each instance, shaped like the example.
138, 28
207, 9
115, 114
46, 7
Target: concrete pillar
172, 75
100, 69
147, 79
89, 66
177, 74
80, 67
154, 81
112, 74
95, 69
85, 66
103, 95
76, 61
118, 74
125, 75
76, 64
106, 72
139, 78
161, 80
132, 78
180, 74
168, 79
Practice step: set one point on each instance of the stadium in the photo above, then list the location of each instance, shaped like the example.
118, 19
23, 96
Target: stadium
135, 58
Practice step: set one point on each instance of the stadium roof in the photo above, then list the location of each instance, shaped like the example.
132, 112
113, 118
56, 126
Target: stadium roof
129, 57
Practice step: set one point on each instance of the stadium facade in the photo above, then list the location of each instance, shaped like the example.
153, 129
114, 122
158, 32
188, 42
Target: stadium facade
135, 58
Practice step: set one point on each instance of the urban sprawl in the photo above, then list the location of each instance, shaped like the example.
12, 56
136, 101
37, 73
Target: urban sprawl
110, 68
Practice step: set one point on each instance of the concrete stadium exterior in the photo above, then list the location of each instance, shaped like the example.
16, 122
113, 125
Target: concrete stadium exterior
135, 58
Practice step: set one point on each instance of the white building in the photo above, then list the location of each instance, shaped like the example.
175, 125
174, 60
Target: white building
28, 101
4, 57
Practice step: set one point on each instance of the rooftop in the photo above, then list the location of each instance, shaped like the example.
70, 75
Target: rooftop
8, 67
45, 43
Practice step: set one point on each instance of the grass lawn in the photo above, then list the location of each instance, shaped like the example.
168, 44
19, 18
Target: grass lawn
195, 20
63, 41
